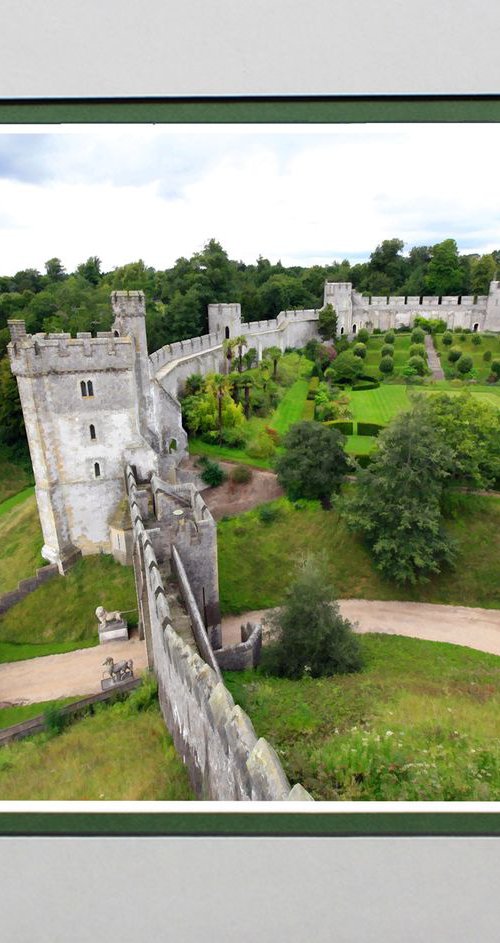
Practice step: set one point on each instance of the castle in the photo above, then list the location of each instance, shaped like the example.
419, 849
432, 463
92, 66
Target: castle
105, 433
92, 405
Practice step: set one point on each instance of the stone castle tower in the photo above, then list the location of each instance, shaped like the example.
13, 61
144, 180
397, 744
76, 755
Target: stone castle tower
90, 407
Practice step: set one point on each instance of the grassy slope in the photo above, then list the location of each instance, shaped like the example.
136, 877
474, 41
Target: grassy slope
21, 712
20, 543
257, 561
116, 754
61, 614
420, 722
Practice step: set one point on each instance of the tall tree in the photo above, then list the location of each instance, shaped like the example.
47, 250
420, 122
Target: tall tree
445, 275
397, 504
314, 463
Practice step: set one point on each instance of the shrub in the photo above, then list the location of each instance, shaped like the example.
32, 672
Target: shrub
495, 368
462, 338
454, 354
464, 365
241, 475
359, 350
54, 719
235, 437
313, 386
487, 356
447, 338
386, 365
263, 446
309, 634
269, 513
363, 335
314, 463
417, 335
417, 364
476, 340
387, 351
275, 436
390, 338
213, 474
418, 350
369, 428
346, 367
377, 330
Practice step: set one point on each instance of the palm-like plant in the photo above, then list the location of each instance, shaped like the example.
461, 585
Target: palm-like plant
217, 383
240, 342
274, 354
228, 348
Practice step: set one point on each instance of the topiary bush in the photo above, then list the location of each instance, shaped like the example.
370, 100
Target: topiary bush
417, 335
387, 351
386, 365
241, 475
464, 365
447, 338
213, 475
359, 350
476, 340
363, 335
390, 338
487, 356
418, 350
417, 364
495, 368
454, 354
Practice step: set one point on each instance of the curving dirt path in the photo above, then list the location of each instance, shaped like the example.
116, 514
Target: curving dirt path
475, 628
50, 677
79, 673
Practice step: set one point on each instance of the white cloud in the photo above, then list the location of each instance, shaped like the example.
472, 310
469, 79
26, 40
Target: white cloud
299, 194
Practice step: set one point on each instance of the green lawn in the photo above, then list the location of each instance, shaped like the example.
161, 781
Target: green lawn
380, 405
420, 722
122, 752
488, 342
375, 343
290, 407
361, 444
257, 561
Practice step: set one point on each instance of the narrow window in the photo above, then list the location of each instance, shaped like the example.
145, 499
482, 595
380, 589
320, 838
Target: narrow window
227, 333
90, 388
92, 431
341, 330
476, 328
354, 329
83, 387
117, 334
97, 470
173, 445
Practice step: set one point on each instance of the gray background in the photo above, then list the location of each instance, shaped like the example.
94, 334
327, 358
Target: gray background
249, 890
248, 47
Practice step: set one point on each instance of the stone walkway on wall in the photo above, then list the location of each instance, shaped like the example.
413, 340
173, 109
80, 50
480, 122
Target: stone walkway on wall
433, 359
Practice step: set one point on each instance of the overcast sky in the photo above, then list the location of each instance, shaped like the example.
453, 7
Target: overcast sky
299, 194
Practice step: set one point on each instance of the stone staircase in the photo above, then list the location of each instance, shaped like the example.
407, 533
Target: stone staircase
433, 359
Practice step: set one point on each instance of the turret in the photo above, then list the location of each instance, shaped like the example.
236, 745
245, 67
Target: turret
339, 296
129, 309
492, 321
225, 318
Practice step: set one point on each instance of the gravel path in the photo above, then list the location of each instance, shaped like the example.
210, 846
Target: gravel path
475, 628
80, 672
70, 674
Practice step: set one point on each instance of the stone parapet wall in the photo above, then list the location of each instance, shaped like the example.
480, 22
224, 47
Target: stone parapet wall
27, 586
212, 734
60, 353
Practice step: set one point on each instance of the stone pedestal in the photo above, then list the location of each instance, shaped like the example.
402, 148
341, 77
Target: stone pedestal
113, 631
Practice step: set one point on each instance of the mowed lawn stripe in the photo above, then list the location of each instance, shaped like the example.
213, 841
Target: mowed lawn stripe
291, 407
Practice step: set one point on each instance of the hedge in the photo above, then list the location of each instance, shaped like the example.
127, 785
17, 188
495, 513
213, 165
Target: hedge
313, 386
308, 412
369, 428
343, 425
362, 460
366, 385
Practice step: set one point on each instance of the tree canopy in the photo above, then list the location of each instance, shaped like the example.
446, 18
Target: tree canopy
314, 463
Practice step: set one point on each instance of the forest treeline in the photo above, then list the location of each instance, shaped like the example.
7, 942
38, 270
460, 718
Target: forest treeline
177, 297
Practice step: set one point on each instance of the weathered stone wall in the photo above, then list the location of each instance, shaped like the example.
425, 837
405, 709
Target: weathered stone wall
481, 313
211, 733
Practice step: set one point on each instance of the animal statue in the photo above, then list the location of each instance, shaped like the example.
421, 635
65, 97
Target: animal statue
119, 670
104, 617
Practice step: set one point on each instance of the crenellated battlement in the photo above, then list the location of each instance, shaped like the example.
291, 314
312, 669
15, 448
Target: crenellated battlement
36, 354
